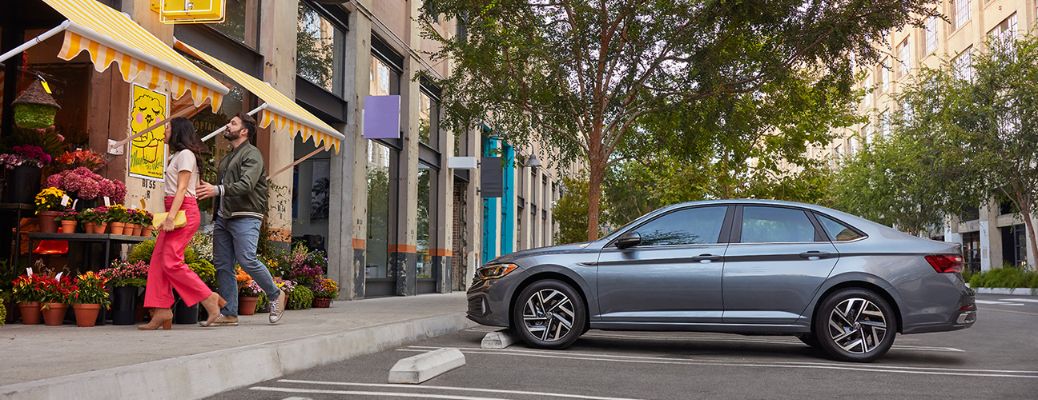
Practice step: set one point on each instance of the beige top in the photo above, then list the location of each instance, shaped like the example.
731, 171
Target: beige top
184, 160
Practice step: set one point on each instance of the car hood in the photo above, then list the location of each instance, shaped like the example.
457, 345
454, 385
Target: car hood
560, 249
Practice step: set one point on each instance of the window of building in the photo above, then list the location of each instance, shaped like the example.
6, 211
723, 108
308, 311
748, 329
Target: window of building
963, 65
1014, 245
884, 72
931, 35
1005, 32
971, 251
776, 225
377, 253
868, 91
683, 227
428, 119
837, 230
962, 13
868, 133
852, 145
904, 52
884, 124
319, 49
240, 21
838, 151
426, 233
907, 113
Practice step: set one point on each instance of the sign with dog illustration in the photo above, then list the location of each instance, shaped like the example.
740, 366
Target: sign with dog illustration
147, 152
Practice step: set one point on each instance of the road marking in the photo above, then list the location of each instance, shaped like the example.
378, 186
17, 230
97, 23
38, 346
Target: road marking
460, 389
791, 341
363, 393
985, 309
708, 362
1023, 300
1001, 303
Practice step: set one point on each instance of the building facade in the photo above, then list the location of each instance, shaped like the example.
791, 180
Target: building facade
392, 216
993, 234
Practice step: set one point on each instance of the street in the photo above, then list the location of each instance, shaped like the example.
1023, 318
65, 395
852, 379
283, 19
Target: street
995, 359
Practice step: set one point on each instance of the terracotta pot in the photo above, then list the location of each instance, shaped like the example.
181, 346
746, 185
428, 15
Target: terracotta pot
54, 313
135, 230
322, 302
30, 312
117, 227
47, 223
86, 314
247, 305
101, 228
148, 231
68, 226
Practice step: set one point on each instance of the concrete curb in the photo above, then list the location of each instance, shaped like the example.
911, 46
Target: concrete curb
425, 366
206, 374
1016, 291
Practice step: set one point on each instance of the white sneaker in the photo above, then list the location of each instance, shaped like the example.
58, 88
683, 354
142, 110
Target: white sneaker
277, 308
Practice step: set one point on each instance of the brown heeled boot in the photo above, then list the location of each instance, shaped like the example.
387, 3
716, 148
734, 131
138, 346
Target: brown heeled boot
160, 318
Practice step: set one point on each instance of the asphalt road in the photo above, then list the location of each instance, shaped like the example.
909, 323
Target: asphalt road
995, 359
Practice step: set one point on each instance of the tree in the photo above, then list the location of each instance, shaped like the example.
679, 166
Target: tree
582, 75
571, 211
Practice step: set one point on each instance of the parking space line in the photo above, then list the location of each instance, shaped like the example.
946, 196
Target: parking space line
364, 393
750, 340
674, 361
1008, 311
1023, 300
453, 388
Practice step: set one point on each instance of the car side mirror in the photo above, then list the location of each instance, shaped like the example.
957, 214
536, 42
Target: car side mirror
629, 239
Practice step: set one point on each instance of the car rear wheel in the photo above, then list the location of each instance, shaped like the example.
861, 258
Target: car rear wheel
855, 325
549, 314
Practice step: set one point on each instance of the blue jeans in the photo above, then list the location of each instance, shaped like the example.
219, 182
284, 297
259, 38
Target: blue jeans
234, 240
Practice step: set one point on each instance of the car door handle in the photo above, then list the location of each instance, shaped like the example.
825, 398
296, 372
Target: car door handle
814, 255
706, 258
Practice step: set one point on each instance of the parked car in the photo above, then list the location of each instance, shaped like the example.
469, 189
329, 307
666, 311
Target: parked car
838, 282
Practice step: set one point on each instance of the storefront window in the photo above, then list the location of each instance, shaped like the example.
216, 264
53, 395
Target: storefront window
428, 120
234, 24
311, 184
426, 220
385, 80
378, 211
319, 49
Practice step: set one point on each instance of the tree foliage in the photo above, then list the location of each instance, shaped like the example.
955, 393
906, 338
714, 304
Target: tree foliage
582, 75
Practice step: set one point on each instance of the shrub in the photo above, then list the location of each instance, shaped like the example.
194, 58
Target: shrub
300, 299
142, 252
90, 289
326, 288
205, 270
1005, 277
123, 273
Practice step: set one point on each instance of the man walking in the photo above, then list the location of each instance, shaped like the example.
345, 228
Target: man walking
241, 203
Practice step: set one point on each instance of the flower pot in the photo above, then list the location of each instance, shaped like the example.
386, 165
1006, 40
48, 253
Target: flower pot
68, 226
86, 314
30, 312
322, 302
101, 228
131, 230
47, 223
182, 314
54, 313
23, 182
247, 305
124, 305
148, 231
117, 227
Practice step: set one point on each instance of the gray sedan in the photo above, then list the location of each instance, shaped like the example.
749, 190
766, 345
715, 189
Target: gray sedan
840, 283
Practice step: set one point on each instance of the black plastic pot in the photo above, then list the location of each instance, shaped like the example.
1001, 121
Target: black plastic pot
22, 184
124, 305
182, 314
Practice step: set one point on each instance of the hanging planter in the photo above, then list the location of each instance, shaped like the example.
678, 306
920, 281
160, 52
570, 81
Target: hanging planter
35, 108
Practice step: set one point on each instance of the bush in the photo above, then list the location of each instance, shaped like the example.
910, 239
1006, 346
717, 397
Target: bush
142, 252
205, 270
300, 298
1005, 277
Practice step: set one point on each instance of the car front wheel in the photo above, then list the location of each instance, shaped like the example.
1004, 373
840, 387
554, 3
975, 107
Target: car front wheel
549, 314
855, 325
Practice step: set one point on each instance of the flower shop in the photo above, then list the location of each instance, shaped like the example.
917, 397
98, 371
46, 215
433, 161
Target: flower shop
82, 159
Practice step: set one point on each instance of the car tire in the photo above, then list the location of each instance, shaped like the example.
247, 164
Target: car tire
549, 314
855, 325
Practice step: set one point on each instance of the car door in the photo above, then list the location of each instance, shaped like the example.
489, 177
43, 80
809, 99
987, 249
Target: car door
778, 258
673, 275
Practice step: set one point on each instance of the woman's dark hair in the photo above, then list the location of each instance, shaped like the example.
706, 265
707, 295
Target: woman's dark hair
182, 136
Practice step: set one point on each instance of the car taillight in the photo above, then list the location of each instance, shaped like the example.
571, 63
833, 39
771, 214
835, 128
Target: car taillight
945, 263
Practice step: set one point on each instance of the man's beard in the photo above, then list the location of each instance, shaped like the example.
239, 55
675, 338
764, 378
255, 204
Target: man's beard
227, 134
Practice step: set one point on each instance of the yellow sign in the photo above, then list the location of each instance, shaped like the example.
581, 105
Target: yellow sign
148, 152
189, 11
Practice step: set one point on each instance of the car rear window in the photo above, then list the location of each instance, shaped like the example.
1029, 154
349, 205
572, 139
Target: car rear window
838, 231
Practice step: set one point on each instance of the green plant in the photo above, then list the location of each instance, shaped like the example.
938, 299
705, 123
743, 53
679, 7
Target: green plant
90, 289
3, 308
34, 116
142, 252
118, 213
326, 288
29, 288
300, 298
67, 215
205, 270
49, 199
1005, 277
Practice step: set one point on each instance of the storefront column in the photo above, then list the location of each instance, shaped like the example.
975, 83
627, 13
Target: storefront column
525, 226
441, 252
990, 237
951, 229
473, 209
279, 69
403, 255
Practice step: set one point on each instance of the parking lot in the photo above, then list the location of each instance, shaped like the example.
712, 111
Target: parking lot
995, 359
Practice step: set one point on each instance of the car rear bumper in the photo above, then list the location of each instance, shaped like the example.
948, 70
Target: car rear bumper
961, 317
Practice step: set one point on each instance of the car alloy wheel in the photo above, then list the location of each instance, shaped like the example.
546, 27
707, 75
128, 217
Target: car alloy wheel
549, 314
855, 325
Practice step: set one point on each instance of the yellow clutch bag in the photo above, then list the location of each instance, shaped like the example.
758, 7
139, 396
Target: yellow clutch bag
179, 221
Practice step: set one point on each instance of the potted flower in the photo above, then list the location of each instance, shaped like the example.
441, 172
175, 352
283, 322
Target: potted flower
145, 222
88, 298
325, 290
95, 220
248, 292
22, 169
56, 296
68, 219
48, 207
86, 185
27, 291
118, 217
79, 158
125, 279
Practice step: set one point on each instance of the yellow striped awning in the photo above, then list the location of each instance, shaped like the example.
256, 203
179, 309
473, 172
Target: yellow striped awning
111, 36
278, 109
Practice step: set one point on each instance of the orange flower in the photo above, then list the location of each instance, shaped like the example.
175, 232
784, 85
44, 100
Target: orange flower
242, 277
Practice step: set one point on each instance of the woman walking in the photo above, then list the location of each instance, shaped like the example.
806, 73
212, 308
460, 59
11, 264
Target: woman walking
168, 270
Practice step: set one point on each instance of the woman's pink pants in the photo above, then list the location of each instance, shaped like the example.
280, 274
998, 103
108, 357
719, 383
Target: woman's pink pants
168, 270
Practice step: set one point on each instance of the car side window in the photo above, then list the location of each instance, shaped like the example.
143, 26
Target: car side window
776, 225
701, 225
837, 231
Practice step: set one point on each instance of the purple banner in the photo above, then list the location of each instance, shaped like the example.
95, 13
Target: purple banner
382, 117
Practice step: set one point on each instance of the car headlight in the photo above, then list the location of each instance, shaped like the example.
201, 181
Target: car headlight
495, 271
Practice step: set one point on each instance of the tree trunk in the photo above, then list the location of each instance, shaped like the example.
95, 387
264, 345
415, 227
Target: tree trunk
596, 167
1026, 210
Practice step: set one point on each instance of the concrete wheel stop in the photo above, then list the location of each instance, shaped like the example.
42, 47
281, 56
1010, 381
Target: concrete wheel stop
425, 366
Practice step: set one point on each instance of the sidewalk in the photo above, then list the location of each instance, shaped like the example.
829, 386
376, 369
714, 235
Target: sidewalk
188, 362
